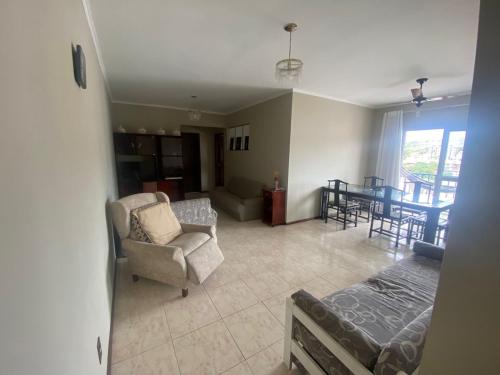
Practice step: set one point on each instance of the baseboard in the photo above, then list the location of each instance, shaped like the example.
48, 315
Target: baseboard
302, 220
110, 338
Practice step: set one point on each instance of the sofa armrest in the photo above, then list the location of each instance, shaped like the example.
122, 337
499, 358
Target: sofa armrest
195, 211
404, 351
158, 262
190, 228
353, 339
428, 250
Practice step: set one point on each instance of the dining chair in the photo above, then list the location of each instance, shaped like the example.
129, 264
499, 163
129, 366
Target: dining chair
365, 205
389, 211
344, 208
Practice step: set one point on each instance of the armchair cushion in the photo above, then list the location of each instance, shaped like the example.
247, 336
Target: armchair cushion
189, 242
158, 222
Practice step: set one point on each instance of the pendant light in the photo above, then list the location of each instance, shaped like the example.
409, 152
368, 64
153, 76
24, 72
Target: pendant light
194, 114
289, 70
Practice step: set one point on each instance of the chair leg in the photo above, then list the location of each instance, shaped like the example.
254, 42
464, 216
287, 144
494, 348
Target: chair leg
371, 227
135, 278
345, 220
356, 219
185, 292
409, 234
397, 235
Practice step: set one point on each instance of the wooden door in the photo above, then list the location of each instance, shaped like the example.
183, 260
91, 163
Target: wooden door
219, 159
191, 161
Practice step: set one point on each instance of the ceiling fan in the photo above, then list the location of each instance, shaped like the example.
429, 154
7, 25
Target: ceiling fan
418, 94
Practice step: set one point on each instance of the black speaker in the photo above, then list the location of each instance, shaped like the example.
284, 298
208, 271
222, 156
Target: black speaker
79, 66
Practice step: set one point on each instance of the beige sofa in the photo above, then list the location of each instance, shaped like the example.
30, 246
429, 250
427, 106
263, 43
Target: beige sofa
242, 198
192, 256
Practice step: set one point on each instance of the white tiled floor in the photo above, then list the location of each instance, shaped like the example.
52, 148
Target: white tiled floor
233, 323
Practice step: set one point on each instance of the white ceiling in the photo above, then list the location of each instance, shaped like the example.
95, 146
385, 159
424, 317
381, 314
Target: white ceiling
367, 52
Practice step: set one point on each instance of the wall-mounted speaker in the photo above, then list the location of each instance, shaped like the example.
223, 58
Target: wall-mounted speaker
79, 66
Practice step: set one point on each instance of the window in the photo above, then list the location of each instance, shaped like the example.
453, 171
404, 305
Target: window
431, 163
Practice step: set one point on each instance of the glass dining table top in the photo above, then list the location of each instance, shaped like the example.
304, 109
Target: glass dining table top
379, 193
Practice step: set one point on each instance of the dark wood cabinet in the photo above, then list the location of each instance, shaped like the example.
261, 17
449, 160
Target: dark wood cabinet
149, 160
274, 202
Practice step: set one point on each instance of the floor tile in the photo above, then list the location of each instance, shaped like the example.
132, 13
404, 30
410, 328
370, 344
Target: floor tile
266, 285
136, 332
254, 329
232, 297
192, 312
240, 369
208, 350
158, 361
276, 304
270, 362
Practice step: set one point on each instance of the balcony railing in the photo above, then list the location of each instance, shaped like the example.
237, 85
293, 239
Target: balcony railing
421, 187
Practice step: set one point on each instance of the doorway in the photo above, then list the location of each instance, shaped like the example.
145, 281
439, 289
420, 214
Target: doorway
219, 159
192, 162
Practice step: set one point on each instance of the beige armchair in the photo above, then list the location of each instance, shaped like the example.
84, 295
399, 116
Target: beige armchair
192, 256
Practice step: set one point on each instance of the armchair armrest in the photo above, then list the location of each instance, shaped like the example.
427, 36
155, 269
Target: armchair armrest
158, 262
208, 229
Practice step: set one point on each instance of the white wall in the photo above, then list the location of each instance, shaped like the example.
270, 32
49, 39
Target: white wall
56, 174
269, 141
464, 336
133, 117
329, 139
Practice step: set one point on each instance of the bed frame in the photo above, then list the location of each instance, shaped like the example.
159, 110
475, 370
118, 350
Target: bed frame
294, 347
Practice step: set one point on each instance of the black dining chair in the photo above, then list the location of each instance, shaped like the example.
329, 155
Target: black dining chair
390, 212
416, 228
343, 207
365, 205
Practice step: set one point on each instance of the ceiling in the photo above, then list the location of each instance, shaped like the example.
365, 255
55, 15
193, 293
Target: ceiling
367, 52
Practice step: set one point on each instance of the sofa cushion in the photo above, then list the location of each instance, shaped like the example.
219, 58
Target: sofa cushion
158, 222
365, 317
245, 188
202, 262
189, 242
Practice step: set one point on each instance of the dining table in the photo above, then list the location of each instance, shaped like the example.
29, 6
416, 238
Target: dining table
432, 210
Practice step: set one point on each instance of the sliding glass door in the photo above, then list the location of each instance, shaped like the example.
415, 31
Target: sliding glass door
431, 163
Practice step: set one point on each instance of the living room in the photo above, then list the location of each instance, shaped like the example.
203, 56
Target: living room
249, 187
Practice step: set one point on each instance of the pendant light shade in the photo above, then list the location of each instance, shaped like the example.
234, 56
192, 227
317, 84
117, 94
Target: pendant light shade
194, 114
289, 70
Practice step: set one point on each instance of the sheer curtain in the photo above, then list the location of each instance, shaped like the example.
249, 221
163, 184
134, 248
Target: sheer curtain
389, 151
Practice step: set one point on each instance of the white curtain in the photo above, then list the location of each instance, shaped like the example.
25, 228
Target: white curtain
389, 150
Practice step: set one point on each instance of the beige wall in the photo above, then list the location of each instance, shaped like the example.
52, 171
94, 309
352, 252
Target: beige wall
329, 139
56, 174
465, 328
207, 153
133, 117
269, 141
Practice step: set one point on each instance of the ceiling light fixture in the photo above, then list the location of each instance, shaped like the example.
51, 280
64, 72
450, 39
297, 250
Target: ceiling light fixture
418, 94
289, 70
194, 114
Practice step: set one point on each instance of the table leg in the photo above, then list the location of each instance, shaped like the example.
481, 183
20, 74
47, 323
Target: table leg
431, 226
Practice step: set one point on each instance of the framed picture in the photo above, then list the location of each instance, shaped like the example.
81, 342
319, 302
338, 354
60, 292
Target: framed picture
238, 138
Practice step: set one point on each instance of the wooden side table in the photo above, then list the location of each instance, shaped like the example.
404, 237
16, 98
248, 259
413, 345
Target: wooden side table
274, 206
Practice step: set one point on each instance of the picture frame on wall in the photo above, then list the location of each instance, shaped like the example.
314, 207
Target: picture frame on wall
231, 138
246, 137
239, 138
